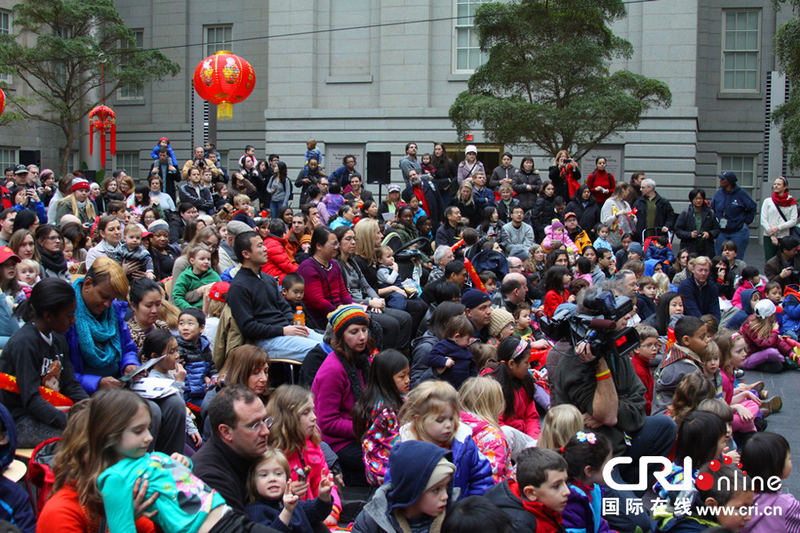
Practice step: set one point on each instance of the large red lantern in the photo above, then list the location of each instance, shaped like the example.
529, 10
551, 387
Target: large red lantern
102, 119
224, 79
2, 101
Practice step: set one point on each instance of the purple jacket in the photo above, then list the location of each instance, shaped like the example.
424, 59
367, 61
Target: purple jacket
130, 354
788, 520
333, 403
583, 514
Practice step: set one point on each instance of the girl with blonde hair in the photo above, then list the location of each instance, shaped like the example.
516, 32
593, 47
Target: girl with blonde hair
482, 402
431, 414
560, 423
294, 432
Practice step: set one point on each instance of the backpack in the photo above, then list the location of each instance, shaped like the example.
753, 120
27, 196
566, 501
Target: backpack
40, 477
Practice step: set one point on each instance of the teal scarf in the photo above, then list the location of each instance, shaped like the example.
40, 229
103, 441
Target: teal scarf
98, 339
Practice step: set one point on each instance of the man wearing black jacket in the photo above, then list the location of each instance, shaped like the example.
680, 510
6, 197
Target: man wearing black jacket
170, 175
261, 312
241, 427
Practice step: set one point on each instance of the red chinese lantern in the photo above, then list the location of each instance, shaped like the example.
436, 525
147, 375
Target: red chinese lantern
102, 119
2, 101
224, 79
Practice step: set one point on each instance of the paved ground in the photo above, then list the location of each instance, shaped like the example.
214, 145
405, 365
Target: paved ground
784, 385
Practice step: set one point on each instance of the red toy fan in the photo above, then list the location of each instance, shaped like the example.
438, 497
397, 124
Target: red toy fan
102, 119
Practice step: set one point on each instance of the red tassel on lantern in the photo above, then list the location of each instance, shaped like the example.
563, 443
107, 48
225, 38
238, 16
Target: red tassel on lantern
103, 120
2, 101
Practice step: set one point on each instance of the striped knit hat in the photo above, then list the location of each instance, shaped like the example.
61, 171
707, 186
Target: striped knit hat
345, 316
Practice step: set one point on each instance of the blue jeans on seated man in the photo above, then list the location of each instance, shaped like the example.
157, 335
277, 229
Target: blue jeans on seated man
740, 237
290, 346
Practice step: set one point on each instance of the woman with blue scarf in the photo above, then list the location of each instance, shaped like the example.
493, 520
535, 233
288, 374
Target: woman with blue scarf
101, 349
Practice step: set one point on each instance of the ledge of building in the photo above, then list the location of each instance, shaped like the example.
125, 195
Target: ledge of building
364, 78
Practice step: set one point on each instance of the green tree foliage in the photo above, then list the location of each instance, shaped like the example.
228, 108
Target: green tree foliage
547, 79
787, 48
70, 39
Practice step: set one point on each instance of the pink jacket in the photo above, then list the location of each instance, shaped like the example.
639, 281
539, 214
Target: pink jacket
333, 403
756, 343
313, 457
492, 444
382, 434
525, 417
737, 294
550, 238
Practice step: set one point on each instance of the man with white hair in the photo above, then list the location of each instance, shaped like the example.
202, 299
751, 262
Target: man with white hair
652, 211
441, 256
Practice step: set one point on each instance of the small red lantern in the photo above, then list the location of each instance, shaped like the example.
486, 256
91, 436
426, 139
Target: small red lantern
2, 101
102, 119
224, 79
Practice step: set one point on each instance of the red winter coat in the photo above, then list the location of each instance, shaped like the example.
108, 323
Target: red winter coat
278, 261
525, 417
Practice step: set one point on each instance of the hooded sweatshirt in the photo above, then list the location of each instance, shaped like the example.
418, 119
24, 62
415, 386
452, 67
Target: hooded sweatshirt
736, 321
15, 504
411, 464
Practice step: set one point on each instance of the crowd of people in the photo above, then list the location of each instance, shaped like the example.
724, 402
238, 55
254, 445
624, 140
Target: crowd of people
214, 356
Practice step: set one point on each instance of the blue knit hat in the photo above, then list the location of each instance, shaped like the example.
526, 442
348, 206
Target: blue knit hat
472, 298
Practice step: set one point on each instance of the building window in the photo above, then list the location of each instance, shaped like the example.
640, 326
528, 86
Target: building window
8, 157
129, 162
5, 29
218, 38
744, 167
130, 92
741, 38
468, 55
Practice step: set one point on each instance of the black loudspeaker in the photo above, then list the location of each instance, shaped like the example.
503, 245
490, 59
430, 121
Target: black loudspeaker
379, 170
30, 157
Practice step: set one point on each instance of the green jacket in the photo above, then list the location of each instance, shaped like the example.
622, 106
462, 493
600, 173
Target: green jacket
187, 282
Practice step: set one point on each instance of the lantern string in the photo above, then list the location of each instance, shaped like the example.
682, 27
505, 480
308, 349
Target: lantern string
102, 85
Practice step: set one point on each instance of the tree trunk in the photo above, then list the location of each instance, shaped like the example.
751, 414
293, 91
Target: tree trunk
67, 150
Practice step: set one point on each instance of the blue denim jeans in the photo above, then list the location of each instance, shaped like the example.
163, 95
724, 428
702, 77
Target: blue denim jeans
291, 347
741, 238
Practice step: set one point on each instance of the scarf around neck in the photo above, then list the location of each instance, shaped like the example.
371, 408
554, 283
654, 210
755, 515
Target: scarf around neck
53, 261
783, 200
98, 338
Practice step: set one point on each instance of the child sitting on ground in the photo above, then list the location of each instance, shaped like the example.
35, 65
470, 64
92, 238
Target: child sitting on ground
680, 359
661, 281
602, 231
693, 389
768, 351
333, 200
450, 358
646, 298
522, 315
388, 276
519, 388
649, 345
659, 249
161, 343
241, 202
195, 352
196, 279
767, 457
431, 413
711, 358
482, 402
420, 491
790, 325
558, 426
719, 505
163, 142
750, 279
534, 501
275, 506
501, 325
586, 454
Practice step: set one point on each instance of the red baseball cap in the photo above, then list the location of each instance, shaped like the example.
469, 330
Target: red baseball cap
219, 291
7, 253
